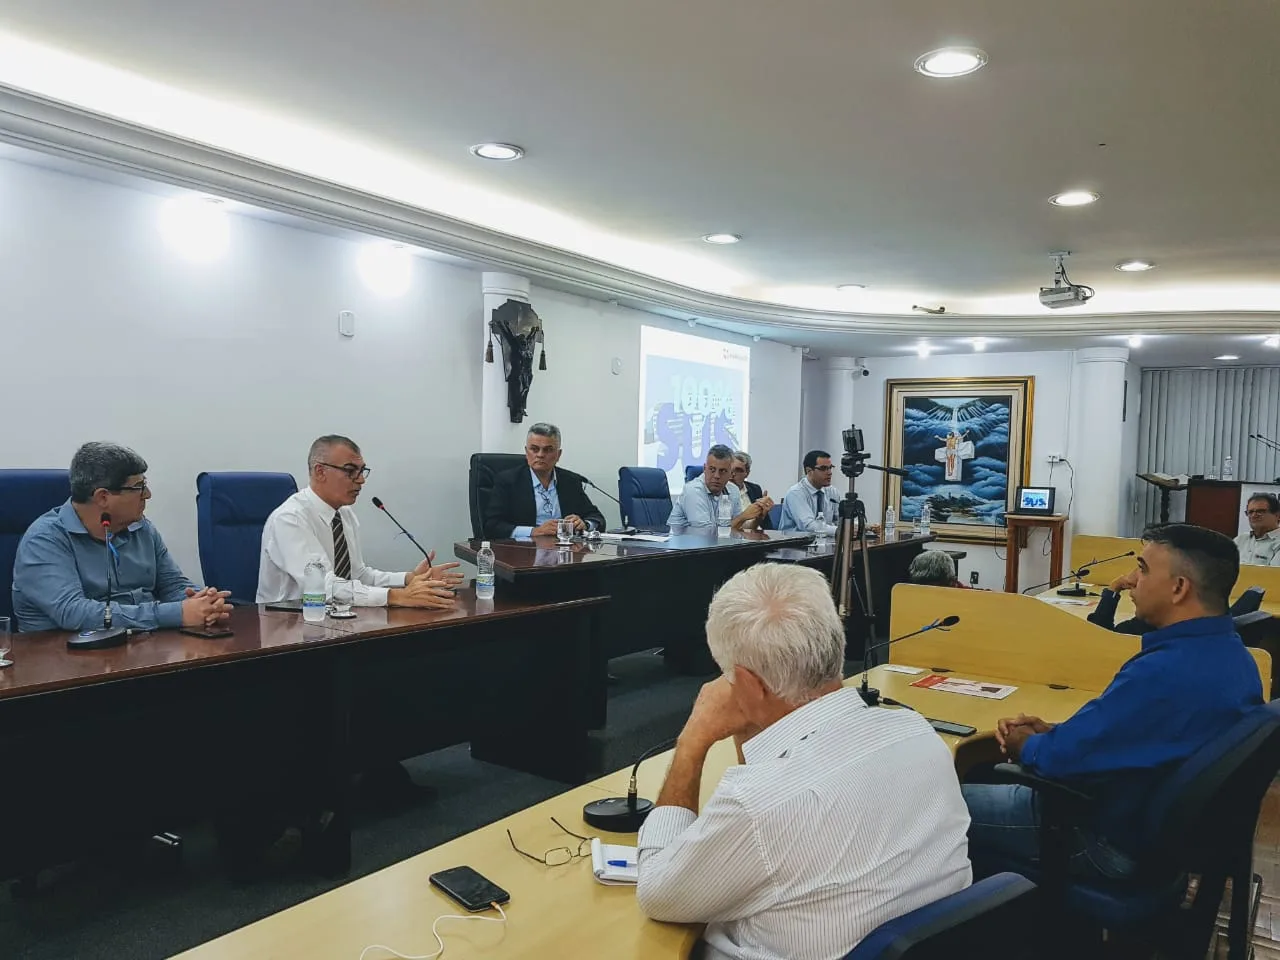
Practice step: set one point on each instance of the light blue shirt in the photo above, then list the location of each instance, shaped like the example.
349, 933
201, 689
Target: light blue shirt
800, 509
60, 577
546, 503
697, 507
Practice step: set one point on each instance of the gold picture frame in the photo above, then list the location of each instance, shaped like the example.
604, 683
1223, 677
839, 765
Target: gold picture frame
966, 443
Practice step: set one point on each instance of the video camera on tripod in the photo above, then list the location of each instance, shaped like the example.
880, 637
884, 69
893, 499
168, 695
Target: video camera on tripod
854, 459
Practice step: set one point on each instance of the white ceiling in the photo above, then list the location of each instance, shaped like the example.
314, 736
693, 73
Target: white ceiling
799, 125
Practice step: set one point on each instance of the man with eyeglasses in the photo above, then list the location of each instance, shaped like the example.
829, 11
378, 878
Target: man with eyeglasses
60, 572
807, 505
319, 521
527, 502
1261, 545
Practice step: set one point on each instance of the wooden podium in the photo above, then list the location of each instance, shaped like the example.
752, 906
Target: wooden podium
1017, 526
1215, 504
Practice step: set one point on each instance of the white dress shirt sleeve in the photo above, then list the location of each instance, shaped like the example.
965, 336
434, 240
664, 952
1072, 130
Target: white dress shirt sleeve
702, 868
289, 543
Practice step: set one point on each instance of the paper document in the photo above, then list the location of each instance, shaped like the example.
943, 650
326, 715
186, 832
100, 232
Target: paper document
607, 863
647, 537
899, 668
968, 688
1066, 601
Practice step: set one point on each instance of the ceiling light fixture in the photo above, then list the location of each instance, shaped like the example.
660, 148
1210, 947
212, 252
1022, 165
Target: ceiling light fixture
851, 287
1134, 266
950, 62
979, 344
1073, 198
1135, 342
722, 238
497, 151
1272, 341
1226, 356
923, 349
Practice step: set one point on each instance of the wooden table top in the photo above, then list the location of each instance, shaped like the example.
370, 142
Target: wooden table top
827, 548
42, 662
555, 912
543, 555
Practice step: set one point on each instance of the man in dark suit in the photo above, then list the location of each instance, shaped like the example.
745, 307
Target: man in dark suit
527, 501
738, 477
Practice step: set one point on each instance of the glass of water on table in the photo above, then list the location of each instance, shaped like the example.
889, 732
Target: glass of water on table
6, 641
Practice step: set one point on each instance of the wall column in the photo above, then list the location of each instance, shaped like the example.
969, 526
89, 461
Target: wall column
496, 428
1096, 442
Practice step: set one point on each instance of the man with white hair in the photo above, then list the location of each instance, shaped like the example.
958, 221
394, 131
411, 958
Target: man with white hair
841, 817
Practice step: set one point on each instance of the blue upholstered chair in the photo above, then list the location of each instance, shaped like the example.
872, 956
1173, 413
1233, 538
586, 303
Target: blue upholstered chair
24, 496
991, 919
1200, 820
231, 509
645, 496
775, 515
692, 471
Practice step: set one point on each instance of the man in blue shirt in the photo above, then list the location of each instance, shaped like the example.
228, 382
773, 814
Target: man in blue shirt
807, 506
699, 504
1192, 680
60, 572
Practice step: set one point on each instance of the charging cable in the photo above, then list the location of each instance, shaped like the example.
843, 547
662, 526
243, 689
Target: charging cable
436, 933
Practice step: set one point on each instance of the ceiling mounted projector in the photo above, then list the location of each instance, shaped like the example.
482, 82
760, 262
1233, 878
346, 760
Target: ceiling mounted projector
1064, 293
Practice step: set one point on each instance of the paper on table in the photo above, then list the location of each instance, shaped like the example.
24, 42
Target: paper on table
602, 853
899, 668
968, 688
1066, 601
647, 537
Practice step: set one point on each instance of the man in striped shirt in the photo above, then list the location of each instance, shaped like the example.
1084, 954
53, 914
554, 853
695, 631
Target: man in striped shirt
842, 816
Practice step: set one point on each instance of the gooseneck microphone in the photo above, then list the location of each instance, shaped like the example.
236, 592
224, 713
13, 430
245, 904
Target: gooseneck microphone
621, 512
378, 503
624, 814
870, 695
1077, 590
108, 636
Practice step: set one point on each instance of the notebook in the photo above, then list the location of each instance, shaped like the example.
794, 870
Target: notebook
602, 853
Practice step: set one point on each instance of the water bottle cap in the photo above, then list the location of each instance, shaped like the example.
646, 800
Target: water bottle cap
484, 544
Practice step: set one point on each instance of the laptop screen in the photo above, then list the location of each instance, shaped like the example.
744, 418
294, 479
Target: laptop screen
1035, 499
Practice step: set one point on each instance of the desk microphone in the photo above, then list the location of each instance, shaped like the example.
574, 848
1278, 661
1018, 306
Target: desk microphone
624, 814
870, 695
378, 503
626, 527
1077, 590
108, 636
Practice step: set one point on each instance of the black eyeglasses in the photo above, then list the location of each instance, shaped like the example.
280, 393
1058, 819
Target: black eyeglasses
557, 856
827, 469
350, 469
133, 488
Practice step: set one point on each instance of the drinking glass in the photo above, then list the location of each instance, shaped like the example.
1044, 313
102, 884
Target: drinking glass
564, 531
6, 642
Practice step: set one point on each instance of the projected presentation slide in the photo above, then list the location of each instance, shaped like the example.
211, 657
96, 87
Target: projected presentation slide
693, 395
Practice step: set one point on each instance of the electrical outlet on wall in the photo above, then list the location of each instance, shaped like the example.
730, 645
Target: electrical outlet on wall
1055, 458
973, 578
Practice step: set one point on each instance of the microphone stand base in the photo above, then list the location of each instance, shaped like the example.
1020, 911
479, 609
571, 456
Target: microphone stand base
617, 814
1076, 591
99, 639
870, 696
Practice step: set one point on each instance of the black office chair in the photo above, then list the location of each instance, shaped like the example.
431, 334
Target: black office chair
1200, 820
484, 467
1248, 602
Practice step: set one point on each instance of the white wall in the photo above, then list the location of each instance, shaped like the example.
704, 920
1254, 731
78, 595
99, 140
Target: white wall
1050, 432
237, 365
597, 411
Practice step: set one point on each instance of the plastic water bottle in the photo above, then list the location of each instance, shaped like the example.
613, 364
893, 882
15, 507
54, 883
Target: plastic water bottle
924, 519
1228, 469
890, 520
484, 572
724, 516
313, 599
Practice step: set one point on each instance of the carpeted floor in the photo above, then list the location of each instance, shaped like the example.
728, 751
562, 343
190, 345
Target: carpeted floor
131, 908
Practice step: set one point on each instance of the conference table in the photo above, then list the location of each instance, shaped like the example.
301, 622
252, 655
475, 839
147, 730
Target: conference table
660, 590
558, 912
168, 728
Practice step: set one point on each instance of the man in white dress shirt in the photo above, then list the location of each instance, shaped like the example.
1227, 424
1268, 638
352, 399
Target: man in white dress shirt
319, 520
842, 816
1261, 545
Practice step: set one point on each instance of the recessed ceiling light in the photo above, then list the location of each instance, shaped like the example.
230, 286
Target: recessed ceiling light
1272, 341
722, 237
951, 62
1227, 356
1134, 266
497, 151
1135, 342
851, 287
979, 344
1073, 198
923, 349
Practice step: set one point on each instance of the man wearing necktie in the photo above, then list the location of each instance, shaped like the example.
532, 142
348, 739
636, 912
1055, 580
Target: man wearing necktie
806, 506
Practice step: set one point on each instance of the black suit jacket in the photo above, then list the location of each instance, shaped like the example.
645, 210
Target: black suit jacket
754, 493
511, 502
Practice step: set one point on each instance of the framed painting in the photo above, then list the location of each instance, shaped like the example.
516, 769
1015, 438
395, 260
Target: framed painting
965, 443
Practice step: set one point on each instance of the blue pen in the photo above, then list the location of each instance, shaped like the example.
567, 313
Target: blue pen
619, 863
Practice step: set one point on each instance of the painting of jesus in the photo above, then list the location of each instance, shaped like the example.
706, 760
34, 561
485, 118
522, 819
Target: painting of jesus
965, 445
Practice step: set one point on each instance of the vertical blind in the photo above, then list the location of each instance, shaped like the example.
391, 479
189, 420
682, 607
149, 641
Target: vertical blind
1191, 419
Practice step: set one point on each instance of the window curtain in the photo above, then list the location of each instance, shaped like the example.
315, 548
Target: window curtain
1192, 419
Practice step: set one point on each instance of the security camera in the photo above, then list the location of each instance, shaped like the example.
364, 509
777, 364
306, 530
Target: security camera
866, 372
860, 366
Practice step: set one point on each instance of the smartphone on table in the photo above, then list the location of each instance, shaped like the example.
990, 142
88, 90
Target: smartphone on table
469, 888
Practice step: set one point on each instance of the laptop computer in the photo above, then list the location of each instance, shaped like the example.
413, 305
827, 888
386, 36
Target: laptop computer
1035, 501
